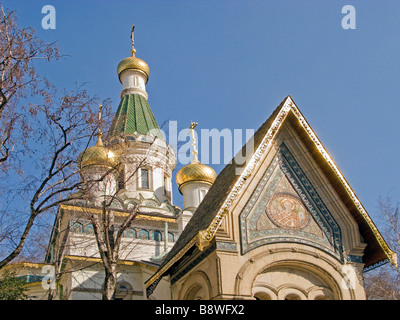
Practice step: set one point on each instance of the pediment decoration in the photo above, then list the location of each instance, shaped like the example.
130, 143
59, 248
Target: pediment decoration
285, 207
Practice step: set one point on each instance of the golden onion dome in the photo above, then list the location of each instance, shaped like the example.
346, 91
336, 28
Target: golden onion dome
133, 63
195, 172
98, 155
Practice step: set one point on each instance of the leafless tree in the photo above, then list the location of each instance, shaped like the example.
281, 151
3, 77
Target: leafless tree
42, 133
383, 283
62, 129
108, 242
19, 49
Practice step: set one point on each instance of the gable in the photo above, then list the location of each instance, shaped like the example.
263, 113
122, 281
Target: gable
229, 186
285, 207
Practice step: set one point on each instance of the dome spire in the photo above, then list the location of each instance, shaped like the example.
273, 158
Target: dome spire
133, 51
194, 151
100, 133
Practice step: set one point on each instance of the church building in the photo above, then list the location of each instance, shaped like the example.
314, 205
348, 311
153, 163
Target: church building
285, 225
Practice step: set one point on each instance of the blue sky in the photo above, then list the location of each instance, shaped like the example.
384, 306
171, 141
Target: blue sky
228, 64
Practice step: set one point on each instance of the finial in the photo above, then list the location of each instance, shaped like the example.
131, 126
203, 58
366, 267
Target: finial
194, 152
133, 51
100, 134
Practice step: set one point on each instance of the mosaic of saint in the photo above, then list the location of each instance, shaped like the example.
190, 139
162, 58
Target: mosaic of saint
287, 211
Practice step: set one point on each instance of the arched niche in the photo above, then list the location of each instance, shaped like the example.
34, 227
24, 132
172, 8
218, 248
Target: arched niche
288, 281
196, 287
264, 262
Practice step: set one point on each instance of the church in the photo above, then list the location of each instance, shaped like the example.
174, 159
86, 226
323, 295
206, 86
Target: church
283, 225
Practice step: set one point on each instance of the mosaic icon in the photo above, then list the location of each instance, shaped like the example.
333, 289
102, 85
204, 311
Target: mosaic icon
287, 211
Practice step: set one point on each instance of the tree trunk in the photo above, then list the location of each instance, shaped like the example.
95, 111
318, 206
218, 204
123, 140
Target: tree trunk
110, 283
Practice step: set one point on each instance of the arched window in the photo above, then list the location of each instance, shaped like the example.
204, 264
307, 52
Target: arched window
77, 227
144, 234
130, 233
171, 237
123, 291
89, 229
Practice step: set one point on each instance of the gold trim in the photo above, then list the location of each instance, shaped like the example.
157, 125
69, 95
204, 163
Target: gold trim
202, 242
117, 213
98, 260
24, 265
120, 262
144, 217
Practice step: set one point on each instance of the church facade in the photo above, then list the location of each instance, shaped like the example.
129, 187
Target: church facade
285, 225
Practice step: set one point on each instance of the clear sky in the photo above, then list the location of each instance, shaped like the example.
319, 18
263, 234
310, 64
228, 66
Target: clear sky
228, 64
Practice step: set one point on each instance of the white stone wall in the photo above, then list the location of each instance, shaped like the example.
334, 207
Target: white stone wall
133, 82
193, 193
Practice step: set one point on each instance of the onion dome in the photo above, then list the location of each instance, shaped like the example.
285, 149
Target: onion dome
99, 156
133, 63
195, 172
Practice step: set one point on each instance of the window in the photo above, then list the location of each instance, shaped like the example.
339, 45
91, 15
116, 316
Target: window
123, 291
144, 234
77, 227
89, 229
144, 179
130, 233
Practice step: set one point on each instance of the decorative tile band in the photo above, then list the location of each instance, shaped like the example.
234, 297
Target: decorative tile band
227, 246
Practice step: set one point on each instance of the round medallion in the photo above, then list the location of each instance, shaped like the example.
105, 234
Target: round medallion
287, 211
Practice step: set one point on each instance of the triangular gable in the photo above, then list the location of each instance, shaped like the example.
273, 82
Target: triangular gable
228, 186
